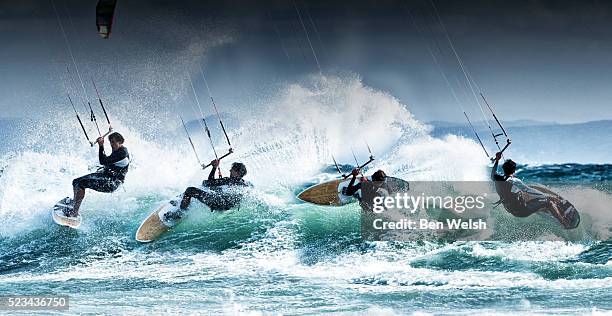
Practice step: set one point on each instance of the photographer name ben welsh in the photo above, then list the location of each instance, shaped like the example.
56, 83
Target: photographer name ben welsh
425, 224
412, 203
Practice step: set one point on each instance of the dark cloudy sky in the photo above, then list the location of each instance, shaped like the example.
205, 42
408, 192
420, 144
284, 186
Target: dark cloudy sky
540, 60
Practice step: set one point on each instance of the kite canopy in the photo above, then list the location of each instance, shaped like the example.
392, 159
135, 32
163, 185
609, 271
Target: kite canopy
105, 10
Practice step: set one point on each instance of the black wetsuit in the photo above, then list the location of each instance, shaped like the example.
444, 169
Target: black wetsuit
513, 202
110, 175
222, 199
367, 194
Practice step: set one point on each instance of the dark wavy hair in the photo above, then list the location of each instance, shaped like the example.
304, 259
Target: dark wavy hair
116, 137
379, 176
509, 167
240, 167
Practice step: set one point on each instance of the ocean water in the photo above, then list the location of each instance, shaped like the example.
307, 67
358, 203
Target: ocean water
276, 254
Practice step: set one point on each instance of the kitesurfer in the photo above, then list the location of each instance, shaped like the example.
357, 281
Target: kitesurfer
108, 177
224, 192
518, 198
367, 189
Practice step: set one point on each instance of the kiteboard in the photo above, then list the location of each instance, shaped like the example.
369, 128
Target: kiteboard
330, 193
569, 217
160, 221
59, 216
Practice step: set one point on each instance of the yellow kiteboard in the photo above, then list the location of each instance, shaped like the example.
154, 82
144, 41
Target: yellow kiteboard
159, 222
330, 192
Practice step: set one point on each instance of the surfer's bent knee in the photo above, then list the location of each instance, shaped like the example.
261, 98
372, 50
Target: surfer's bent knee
192, 191
76, 184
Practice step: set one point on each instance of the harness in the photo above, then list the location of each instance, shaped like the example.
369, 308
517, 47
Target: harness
515, 200
114, 171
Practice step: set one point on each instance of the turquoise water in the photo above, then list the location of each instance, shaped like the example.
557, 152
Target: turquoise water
275, 254
297, 258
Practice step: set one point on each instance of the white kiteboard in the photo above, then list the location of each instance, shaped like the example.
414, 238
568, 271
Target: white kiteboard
59, 216
160, 221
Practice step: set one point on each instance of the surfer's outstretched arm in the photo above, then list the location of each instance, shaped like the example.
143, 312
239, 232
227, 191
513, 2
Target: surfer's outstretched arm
495, 164
352, 188
214, 164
